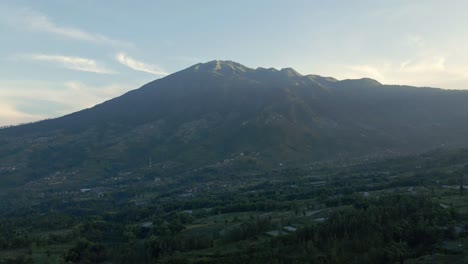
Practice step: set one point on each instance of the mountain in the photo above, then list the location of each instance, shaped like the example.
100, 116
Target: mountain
221, 112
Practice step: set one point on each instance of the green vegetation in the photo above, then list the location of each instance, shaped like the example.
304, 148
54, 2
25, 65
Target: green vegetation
399, 210
220, 163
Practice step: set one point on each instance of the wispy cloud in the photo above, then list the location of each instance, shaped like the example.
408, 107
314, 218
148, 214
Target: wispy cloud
366, 71
21, 100
91, 95
435, 64
9, 115
139, 65
432, 71
39, 22
424, 64
72, 63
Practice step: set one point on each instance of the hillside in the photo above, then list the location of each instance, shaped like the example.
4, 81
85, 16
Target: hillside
222, 113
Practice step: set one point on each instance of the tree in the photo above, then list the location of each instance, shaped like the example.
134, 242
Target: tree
86, 251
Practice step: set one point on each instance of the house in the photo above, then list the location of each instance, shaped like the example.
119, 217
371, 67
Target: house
290, 228
147, 224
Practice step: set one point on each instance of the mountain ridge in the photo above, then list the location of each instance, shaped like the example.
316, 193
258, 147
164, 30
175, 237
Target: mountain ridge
212, 112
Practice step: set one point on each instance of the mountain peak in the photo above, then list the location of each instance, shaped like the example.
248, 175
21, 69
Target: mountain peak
232, 68
224, 67
214, 111
290, 72
220, 67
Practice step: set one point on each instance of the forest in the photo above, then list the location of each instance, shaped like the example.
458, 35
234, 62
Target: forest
408, 209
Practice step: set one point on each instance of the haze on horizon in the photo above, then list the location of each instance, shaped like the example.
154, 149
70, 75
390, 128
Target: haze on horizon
63, 56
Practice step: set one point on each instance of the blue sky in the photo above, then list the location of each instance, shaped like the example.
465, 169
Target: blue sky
59, 56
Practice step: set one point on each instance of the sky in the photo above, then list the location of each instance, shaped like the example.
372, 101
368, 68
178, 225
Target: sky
60, 56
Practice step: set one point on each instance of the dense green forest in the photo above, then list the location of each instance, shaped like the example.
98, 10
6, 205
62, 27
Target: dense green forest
410, 209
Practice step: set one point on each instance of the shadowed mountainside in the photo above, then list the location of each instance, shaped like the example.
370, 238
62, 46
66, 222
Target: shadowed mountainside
220, 110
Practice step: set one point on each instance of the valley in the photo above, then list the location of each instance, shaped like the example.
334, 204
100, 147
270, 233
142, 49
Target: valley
221, 163
234, 132
217, 216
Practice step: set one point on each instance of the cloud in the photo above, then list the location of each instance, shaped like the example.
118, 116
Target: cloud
435, 64
90, 95
365, 71
138, 65
21, 100
72, 63
39, 22
9, 115
433, 71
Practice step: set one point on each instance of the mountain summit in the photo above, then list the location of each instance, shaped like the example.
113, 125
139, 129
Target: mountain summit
230, 67
220, 67
219, 110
